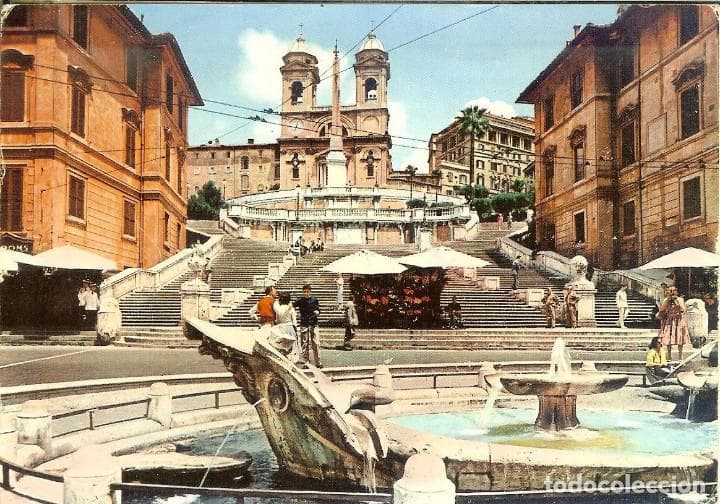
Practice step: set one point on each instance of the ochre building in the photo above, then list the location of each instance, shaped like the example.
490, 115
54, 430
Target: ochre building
627, 137
93, 133
502, 153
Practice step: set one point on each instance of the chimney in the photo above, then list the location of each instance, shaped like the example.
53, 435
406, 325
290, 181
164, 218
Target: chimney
251, 141
577, 28
217, 141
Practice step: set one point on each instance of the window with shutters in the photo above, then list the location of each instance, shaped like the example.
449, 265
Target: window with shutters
576, 89
169, 91
690, 110
12, 104
11, 199
131, 67
130, 132
549, 166
579, 219
181, 115
178, 234
629, 218
689, 21
692, 198
168, 164
166, 227
549, 112
80, 25
129, 219
76, 197
77, 109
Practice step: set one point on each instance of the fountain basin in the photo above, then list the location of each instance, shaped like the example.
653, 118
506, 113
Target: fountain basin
572, 385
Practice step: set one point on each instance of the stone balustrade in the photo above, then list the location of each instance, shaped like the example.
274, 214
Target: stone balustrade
154, 278
349, 214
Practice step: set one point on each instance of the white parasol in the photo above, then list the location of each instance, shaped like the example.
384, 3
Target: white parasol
365, 262
689, 257
9, 259
442, 257
69, 257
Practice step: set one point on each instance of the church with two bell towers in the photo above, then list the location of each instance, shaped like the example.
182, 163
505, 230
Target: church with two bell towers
319, 145
313, 138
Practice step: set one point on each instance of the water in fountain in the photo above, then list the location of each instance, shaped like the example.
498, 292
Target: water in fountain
560, 365
488, 408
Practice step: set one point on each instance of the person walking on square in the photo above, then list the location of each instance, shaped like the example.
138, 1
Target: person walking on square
262, 311
516, 266
309, 308
622, 306
509, 221
549, 302
500, 220
340, 283
351, 323
571, 308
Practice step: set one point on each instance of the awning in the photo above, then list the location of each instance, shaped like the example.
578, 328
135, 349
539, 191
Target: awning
689, 257
74, 258
442, 257
9, 259
365, 262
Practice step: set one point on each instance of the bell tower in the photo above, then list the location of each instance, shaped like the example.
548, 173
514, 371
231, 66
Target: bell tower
372, 72
300, 77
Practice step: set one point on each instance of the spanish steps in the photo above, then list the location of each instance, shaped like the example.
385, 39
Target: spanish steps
241, 259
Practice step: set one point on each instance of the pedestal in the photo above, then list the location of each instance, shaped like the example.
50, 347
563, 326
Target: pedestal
34, 426
160, 407
556, 413
195, 296
424, 481
336, 169
89, 477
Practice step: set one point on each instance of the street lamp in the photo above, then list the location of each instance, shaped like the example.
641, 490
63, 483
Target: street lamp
297, 202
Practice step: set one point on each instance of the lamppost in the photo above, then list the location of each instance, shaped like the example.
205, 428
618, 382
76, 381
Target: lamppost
297, 202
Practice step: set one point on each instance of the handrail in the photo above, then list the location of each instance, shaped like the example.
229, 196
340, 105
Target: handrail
8, 466
255, 492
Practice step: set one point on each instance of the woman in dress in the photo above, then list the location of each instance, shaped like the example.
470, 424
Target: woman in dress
286, 317
673, 324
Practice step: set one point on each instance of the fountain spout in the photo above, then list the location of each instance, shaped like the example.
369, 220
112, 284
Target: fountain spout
560, 359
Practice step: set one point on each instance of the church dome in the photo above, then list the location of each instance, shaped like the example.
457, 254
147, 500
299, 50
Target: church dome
299, 46
372, 42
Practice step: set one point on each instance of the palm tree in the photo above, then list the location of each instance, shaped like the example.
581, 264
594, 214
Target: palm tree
411, 170
437, 173
474, 124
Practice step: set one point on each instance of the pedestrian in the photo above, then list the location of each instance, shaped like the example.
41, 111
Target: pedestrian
82, 292
673, 325
454, 313
206, 271
286, 317
571, 308
309, 308
500, 221
340, 284
656, 363
712, 310
549, 302
509, 221
622, 306
351, 323
516, 265
262, 311
92, 303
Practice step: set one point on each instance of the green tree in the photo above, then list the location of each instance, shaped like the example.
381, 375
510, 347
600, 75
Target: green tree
482, 206
517, 185
474, 124
504, 203
206, 203
411, 170
416, 203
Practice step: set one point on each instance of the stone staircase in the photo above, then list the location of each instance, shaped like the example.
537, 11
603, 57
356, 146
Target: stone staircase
307, 270
156, 308
206, 227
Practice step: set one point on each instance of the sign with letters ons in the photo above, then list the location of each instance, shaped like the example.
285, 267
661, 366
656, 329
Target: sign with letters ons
15, 242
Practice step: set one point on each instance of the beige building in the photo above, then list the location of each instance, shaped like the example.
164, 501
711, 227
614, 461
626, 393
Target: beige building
627, 137
501, 154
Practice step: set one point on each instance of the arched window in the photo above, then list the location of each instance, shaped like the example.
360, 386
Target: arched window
370, 89
370, 161
322, 131
344, 131
244, 163
296, 92
481, 180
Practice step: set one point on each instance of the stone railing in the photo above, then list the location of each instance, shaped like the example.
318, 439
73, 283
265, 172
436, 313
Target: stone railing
154, 278
635, 281
321, 192
350, 214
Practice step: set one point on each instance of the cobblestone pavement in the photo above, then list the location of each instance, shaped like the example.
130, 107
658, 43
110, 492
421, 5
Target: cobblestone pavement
24, 365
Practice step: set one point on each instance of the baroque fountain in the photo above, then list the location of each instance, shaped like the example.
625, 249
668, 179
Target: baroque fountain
338, 433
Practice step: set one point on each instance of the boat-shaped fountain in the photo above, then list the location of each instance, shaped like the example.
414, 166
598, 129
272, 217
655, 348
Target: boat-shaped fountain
330, 431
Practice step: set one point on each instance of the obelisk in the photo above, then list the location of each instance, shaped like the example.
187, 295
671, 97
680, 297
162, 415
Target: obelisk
337, 175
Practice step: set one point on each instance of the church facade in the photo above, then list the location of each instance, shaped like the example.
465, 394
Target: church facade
300, 158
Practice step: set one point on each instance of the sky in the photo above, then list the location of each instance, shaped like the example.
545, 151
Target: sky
234, 52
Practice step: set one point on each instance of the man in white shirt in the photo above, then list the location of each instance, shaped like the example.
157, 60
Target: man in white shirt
92, 303
622, 306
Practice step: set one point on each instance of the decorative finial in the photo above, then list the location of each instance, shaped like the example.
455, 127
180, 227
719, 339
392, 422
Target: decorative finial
372, 25
336, 50
301, 32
